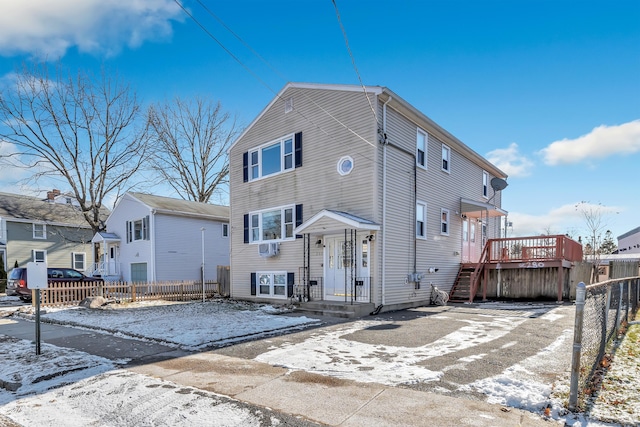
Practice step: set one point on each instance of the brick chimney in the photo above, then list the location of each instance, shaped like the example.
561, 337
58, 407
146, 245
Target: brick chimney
51, 195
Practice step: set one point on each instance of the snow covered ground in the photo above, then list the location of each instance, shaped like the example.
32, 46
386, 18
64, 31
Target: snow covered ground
69, 387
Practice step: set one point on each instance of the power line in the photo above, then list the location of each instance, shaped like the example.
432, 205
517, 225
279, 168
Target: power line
270, 66
353, 60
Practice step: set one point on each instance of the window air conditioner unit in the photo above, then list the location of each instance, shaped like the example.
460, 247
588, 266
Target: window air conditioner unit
268, 250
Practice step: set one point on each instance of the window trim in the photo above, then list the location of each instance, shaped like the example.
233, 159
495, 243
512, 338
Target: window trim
145, 232
283, 224
425, 149
225, 230
485, 184
422, 236
446, 149
283, 155
43, 235
445, 222
33, 255
272, 285
84, 261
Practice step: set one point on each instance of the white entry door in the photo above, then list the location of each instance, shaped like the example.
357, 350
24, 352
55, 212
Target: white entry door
341, 268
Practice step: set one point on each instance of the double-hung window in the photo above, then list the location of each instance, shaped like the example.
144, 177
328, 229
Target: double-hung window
39, 255
446, 158
444, 222
272, 224
422, 143
485, 184
78, 260
138, 229
421, 220
272, 284
272, 158
39, 231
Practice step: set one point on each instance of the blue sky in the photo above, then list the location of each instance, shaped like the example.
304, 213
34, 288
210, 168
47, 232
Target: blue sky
547, 90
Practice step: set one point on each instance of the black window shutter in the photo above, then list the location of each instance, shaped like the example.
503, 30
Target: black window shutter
298, 219
246, 228
291, 278
253, 283
298, 149
245, 166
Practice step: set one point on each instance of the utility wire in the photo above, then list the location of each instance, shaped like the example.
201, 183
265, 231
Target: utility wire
353, 60
268, 65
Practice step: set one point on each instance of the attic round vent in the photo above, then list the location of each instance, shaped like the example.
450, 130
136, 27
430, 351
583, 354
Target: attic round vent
345, 165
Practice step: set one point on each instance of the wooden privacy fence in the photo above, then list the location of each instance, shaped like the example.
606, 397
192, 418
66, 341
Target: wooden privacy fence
58, 294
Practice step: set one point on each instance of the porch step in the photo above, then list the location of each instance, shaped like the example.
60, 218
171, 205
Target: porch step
461, 289
336, 309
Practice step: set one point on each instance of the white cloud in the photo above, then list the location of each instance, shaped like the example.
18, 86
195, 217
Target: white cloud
49, 28
601, 142
510, 161
565, 219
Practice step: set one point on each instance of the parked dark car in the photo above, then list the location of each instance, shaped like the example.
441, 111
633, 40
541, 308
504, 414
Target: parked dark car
17, 280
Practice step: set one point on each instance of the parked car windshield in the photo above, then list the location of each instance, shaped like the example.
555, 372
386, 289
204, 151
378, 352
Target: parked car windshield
72, 274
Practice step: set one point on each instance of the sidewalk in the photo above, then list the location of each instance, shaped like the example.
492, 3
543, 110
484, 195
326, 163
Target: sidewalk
330, 401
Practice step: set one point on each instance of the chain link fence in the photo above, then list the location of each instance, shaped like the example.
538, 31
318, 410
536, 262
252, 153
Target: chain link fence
601, 310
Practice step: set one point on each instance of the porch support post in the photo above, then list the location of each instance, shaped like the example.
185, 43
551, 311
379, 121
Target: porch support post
560, 281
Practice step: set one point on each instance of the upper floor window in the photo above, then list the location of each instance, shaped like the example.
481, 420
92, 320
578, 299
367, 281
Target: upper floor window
446, 158
485, 184
138, 229
273, 158
444, 221
422, 142
78, 260
272, 224
421, 220
39, 231
225, 230
39, 255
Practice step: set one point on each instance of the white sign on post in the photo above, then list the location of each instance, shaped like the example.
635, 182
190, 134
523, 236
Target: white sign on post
37, 275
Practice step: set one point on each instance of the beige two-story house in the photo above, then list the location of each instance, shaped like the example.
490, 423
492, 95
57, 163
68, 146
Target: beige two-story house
349, 193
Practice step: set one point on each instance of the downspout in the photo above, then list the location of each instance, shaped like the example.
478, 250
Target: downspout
384, 199
152, 237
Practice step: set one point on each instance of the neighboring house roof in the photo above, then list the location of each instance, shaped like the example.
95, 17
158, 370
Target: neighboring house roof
102, 236
170, 206
329, 220
629, 233
394, 101
19, 208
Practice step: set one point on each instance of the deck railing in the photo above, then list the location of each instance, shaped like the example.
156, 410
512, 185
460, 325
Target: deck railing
535, 248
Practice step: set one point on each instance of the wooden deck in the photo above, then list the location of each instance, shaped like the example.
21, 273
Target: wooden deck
519, 268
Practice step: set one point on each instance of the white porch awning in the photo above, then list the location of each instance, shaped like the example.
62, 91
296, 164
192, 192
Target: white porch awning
104, 237
475, 209
330, 222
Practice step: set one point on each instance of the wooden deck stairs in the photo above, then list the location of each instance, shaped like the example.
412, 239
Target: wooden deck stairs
462, 286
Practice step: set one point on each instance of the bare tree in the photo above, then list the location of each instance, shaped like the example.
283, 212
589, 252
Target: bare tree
595, 220
191, 140
75, 127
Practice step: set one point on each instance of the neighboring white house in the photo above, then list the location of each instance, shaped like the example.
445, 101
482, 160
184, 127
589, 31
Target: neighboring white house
629, 242
153, 238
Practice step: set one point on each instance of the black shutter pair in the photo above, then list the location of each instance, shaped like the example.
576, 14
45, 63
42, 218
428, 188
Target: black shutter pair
297, 157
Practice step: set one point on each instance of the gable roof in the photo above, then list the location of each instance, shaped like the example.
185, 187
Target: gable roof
328, 221
394, 101
171, 206
20, 208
